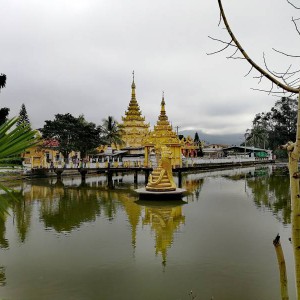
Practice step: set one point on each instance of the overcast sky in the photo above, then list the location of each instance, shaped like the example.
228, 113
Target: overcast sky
77, 56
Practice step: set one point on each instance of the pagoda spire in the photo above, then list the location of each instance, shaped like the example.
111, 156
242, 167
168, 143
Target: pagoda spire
163, 115
133, 88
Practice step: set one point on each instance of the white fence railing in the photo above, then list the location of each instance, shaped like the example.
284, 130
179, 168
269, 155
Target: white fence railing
140, 163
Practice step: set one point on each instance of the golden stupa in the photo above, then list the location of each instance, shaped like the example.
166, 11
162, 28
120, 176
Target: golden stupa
163, 134
134, 127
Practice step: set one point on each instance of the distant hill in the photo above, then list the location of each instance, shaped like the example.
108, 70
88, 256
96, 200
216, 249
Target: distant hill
227, 139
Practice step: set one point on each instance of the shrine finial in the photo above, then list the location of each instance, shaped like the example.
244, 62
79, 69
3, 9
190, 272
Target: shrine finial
133, 84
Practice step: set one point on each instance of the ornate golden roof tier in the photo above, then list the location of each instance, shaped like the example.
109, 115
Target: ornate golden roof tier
163, 134
134, 126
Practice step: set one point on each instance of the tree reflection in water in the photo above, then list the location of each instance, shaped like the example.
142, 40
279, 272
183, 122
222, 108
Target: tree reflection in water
63, 206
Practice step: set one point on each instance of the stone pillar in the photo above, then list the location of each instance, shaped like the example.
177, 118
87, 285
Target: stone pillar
179, 179
109, 176
147, 173
58, 173
83, 173
146, 157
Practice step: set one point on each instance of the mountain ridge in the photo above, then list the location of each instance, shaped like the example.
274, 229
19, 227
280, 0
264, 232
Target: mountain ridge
234, 139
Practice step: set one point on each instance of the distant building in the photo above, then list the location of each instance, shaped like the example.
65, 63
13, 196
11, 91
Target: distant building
189, 148
214, 150
258, 153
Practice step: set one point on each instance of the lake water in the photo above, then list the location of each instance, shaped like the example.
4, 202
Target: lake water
64, 240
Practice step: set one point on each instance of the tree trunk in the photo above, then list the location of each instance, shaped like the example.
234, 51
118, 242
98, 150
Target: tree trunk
294, 151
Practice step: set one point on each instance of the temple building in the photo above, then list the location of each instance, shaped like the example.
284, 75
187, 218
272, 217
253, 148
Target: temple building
163, 135
134, 127
189, 147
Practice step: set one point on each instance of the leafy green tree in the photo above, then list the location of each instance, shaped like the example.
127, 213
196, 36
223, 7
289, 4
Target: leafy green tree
2, 81
63, 129
3, 111
4, 115
23, 117
112, 132
72, 134
89, 136
257, 136
284, 118
276, 127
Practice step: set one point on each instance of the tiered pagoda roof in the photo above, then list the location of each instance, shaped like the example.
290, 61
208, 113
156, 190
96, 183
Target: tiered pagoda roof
134, 126
163, 133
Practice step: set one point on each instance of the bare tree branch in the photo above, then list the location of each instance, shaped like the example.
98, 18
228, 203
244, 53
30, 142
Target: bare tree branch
292, 4
227, 45
266, 91
271, 77
249, 71
294, 21
232, 55
285, 53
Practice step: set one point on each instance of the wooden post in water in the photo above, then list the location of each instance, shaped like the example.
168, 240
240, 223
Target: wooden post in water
282, 269
135, 180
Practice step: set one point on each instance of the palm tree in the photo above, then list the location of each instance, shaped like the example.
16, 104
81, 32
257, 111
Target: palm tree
2, 81
13, 141
112, 131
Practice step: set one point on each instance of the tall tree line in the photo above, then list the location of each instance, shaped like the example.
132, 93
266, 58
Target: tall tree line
274, 128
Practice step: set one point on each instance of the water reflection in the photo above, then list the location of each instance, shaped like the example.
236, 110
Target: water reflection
121, 224
270, 188
164, 219
4, 244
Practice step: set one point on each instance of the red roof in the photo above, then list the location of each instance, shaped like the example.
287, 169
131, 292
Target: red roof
51, 143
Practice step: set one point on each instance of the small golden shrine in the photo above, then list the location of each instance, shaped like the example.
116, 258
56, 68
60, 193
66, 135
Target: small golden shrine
134, 126
163, 134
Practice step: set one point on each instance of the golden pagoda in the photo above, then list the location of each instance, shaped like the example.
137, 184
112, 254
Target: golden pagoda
163, 135
134, 127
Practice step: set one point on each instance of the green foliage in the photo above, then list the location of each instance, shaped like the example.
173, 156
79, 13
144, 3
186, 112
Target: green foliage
274, 128
88, 137
23, 117
72, 134
280, 153
112, 131
2, 81
3, 114
196, 138
62, 129
14, 140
